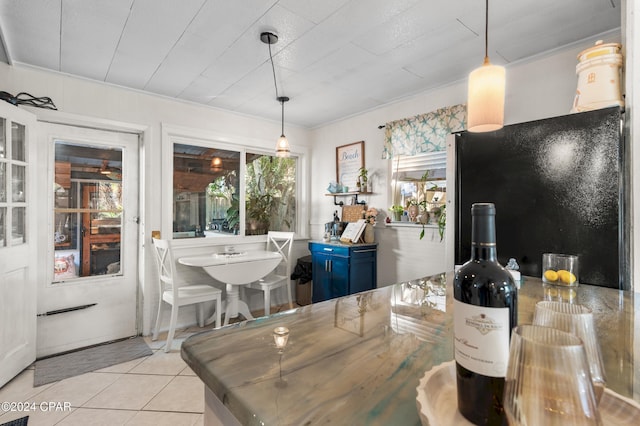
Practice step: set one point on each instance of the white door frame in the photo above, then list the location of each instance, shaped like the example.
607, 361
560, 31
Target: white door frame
144, 134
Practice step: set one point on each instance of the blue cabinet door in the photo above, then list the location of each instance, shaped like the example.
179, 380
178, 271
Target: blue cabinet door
363, 270
339, 270
320, 276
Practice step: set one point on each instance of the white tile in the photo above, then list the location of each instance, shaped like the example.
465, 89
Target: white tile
125, 367
159, 418
77, 390
38, 417
21, 388
129, 392
161, 363
183, 394
187, 372
96, 417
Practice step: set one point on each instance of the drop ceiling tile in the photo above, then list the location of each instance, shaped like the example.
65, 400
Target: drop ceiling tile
153, 28
90, 34
32, 32
410, 24
313, 10
357, 17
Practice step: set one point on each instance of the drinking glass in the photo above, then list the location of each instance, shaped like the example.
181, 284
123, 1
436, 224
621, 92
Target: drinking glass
548, 380
576, 319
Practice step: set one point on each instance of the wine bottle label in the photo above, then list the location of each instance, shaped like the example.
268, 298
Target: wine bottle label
481, 338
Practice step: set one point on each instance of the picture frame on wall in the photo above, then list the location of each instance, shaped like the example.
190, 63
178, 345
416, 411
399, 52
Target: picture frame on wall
349, 161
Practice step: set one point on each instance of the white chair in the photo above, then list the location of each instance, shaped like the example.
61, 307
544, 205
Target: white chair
282, 242
176, 293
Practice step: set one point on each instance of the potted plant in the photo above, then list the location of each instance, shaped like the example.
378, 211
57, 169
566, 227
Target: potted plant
396, 211
363, 177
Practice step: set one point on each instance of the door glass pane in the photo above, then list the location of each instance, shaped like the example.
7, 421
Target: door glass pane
17, 226
18, 146
3, 143
88, 211
17, 183
3, 183
3, 214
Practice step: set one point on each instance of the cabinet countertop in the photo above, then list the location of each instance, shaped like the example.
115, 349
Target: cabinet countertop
358, 359
341, 244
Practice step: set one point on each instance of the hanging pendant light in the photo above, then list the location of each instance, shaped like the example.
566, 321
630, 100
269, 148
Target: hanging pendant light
485, 98
216, 164
282, 145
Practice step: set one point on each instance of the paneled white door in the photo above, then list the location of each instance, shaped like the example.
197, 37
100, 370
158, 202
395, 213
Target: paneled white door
18, 233
88, 291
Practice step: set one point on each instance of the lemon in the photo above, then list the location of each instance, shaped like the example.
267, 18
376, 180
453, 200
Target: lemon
566, 277
550, 275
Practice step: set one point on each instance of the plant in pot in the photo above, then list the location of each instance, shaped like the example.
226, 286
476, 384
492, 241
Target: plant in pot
396, 211
363, 178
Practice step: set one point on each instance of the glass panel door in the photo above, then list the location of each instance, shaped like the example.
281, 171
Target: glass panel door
13, 171
87, 211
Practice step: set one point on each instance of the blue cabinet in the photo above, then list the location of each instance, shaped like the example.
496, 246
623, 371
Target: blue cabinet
341, 269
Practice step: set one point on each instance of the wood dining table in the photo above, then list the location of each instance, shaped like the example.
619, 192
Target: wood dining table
235, 270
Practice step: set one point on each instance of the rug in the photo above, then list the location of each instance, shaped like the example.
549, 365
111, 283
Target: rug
83, 361
23, 421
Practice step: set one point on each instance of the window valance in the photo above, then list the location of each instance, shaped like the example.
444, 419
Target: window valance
424, 132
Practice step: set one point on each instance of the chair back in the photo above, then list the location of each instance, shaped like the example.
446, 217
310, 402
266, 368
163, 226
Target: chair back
166, 265
282, 242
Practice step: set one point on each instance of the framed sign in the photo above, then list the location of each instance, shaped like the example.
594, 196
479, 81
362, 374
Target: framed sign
349, 160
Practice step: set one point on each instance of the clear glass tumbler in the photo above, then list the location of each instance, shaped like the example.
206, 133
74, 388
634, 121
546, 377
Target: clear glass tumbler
548, 380
576, 319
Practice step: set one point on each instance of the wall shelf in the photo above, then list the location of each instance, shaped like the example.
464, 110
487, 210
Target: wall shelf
347, 194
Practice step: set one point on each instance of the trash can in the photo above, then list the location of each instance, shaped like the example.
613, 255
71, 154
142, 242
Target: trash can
302, 273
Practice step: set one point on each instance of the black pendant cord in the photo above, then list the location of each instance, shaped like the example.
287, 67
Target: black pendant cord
273, 68
282, 103
486, 32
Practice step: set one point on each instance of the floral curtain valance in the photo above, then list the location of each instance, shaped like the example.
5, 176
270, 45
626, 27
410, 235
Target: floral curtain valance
424, 132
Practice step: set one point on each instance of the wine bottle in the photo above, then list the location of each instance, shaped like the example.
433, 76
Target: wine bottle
485, 312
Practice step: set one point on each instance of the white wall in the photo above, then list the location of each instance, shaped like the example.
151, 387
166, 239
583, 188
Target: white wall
538, 88
108, 106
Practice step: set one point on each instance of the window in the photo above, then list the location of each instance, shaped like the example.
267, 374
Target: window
419, 180
210, 185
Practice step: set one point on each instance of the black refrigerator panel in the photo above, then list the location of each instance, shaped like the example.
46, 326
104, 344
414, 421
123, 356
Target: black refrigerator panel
559, 185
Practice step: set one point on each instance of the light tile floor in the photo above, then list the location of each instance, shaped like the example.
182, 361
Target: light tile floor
156, 390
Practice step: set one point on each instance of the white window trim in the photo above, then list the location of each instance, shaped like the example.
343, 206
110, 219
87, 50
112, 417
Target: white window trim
190, 136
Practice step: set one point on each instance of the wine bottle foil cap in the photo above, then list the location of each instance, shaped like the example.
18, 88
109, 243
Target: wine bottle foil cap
483, 209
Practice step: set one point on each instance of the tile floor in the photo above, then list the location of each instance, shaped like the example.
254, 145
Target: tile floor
156, 390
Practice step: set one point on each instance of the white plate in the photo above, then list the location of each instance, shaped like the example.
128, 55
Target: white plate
438, 406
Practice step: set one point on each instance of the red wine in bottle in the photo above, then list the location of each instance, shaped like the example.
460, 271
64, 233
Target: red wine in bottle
485, 312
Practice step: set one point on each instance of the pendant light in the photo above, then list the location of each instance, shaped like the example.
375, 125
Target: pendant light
282, 145
485, 98
216, 164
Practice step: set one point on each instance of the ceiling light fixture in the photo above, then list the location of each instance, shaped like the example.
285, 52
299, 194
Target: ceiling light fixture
485, 98
105, 169
282, 145
216, 164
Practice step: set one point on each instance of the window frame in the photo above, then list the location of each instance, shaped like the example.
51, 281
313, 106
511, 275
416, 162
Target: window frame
183, 135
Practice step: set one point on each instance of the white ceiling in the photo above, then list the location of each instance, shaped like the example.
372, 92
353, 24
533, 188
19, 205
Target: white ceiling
334, 58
